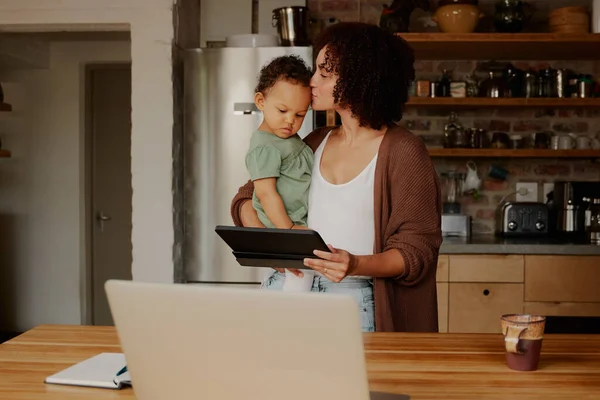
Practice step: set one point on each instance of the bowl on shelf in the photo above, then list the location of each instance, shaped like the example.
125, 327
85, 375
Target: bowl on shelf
457, 16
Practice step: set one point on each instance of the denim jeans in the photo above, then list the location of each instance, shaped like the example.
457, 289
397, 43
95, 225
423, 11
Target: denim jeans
359, 288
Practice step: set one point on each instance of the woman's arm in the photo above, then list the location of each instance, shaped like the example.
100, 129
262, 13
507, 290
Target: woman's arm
242, 212
416, 209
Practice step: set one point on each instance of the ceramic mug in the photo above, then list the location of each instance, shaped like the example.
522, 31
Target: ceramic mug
523, 334
566, 143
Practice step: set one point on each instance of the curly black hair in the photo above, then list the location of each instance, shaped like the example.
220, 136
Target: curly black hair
290, 68
374, 70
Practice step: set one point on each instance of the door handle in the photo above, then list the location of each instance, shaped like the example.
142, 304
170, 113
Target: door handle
102, 218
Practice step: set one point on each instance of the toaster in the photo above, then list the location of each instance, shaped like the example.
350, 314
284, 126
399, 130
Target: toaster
522, 219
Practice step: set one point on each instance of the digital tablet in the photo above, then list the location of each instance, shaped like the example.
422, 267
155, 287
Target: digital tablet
268, 247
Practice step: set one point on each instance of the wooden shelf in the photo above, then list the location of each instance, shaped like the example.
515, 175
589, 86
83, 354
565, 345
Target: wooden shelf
504, 46
5, 107
514, 153
477, 102
4, 153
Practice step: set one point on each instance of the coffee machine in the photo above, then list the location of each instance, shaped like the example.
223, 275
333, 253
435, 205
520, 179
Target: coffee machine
568, 203
453, 222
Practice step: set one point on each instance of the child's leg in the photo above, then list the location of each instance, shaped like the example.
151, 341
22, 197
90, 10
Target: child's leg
294, 283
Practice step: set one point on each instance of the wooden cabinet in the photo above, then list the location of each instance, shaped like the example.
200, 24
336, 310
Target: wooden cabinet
486, 268
442, 292
564, 278
474, 291
562, 286
482, 288
477, 307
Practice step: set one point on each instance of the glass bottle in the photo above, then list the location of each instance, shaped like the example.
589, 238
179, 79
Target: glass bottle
443, 87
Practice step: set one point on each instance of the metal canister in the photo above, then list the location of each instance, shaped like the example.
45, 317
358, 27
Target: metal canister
560, 80
584, 86
433, 89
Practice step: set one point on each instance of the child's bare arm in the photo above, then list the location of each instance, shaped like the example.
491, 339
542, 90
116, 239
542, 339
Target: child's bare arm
271, 202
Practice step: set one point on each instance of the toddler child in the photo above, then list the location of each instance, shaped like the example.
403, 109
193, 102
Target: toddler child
278, 160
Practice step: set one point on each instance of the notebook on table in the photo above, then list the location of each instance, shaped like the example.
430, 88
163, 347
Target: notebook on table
98, 371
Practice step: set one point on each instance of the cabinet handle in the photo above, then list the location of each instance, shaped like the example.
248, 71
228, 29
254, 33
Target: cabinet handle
486, 292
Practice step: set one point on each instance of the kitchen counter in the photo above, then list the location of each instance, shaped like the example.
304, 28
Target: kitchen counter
491, 244
423, 365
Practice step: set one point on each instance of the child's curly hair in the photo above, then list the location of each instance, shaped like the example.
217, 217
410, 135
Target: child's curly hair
290, 68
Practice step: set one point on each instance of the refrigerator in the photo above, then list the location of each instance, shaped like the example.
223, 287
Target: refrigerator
219, 119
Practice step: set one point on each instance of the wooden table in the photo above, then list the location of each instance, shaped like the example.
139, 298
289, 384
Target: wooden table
426, 366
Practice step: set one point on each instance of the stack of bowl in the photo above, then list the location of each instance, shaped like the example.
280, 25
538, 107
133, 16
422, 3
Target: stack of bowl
569, 20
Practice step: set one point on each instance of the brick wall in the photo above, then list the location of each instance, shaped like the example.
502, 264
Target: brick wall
429, 123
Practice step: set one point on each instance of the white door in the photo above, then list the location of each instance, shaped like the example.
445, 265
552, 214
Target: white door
110, 173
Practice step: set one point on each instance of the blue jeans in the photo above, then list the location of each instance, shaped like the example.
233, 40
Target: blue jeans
360, 289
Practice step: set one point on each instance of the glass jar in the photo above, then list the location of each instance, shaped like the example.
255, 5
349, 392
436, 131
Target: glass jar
454, 133
511, 15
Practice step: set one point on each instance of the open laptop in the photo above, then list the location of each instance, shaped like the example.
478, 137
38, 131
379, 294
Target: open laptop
199, 342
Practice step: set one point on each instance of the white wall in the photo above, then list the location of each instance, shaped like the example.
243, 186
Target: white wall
151, 24
216, 24
46, 191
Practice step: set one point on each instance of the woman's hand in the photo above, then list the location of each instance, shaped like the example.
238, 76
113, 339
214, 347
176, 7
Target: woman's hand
334, 265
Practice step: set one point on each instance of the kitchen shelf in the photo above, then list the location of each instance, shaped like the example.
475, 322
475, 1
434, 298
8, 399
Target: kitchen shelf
477, 102
504, 46
4, 154
513, 153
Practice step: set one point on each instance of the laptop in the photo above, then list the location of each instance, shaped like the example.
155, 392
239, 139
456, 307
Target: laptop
204, 342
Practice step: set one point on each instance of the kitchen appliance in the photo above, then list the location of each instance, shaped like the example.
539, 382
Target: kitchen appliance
452, 187
453, 222
292, 25
568, 205
219, 118
456, 225
522, 219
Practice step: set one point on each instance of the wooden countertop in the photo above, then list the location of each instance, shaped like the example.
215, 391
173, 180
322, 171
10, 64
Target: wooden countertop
425, 366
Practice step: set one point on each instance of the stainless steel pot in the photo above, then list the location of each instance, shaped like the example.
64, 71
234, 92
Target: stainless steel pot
292, 25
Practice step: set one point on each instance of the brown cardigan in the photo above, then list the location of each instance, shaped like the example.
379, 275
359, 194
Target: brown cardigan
407, 218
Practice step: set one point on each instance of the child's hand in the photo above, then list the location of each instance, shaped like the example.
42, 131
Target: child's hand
294, 271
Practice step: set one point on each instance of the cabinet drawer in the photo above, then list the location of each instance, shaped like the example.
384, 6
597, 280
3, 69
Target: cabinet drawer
487, 268
442, 269
477, 307
562, 278
442, 300
563, 309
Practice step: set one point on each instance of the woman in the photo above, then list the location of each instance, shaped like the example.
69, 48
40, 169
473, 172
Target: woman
374, 193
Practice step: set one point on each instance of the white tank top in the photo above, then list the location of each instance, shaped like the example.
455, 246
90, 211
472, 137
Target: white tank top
343, 214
